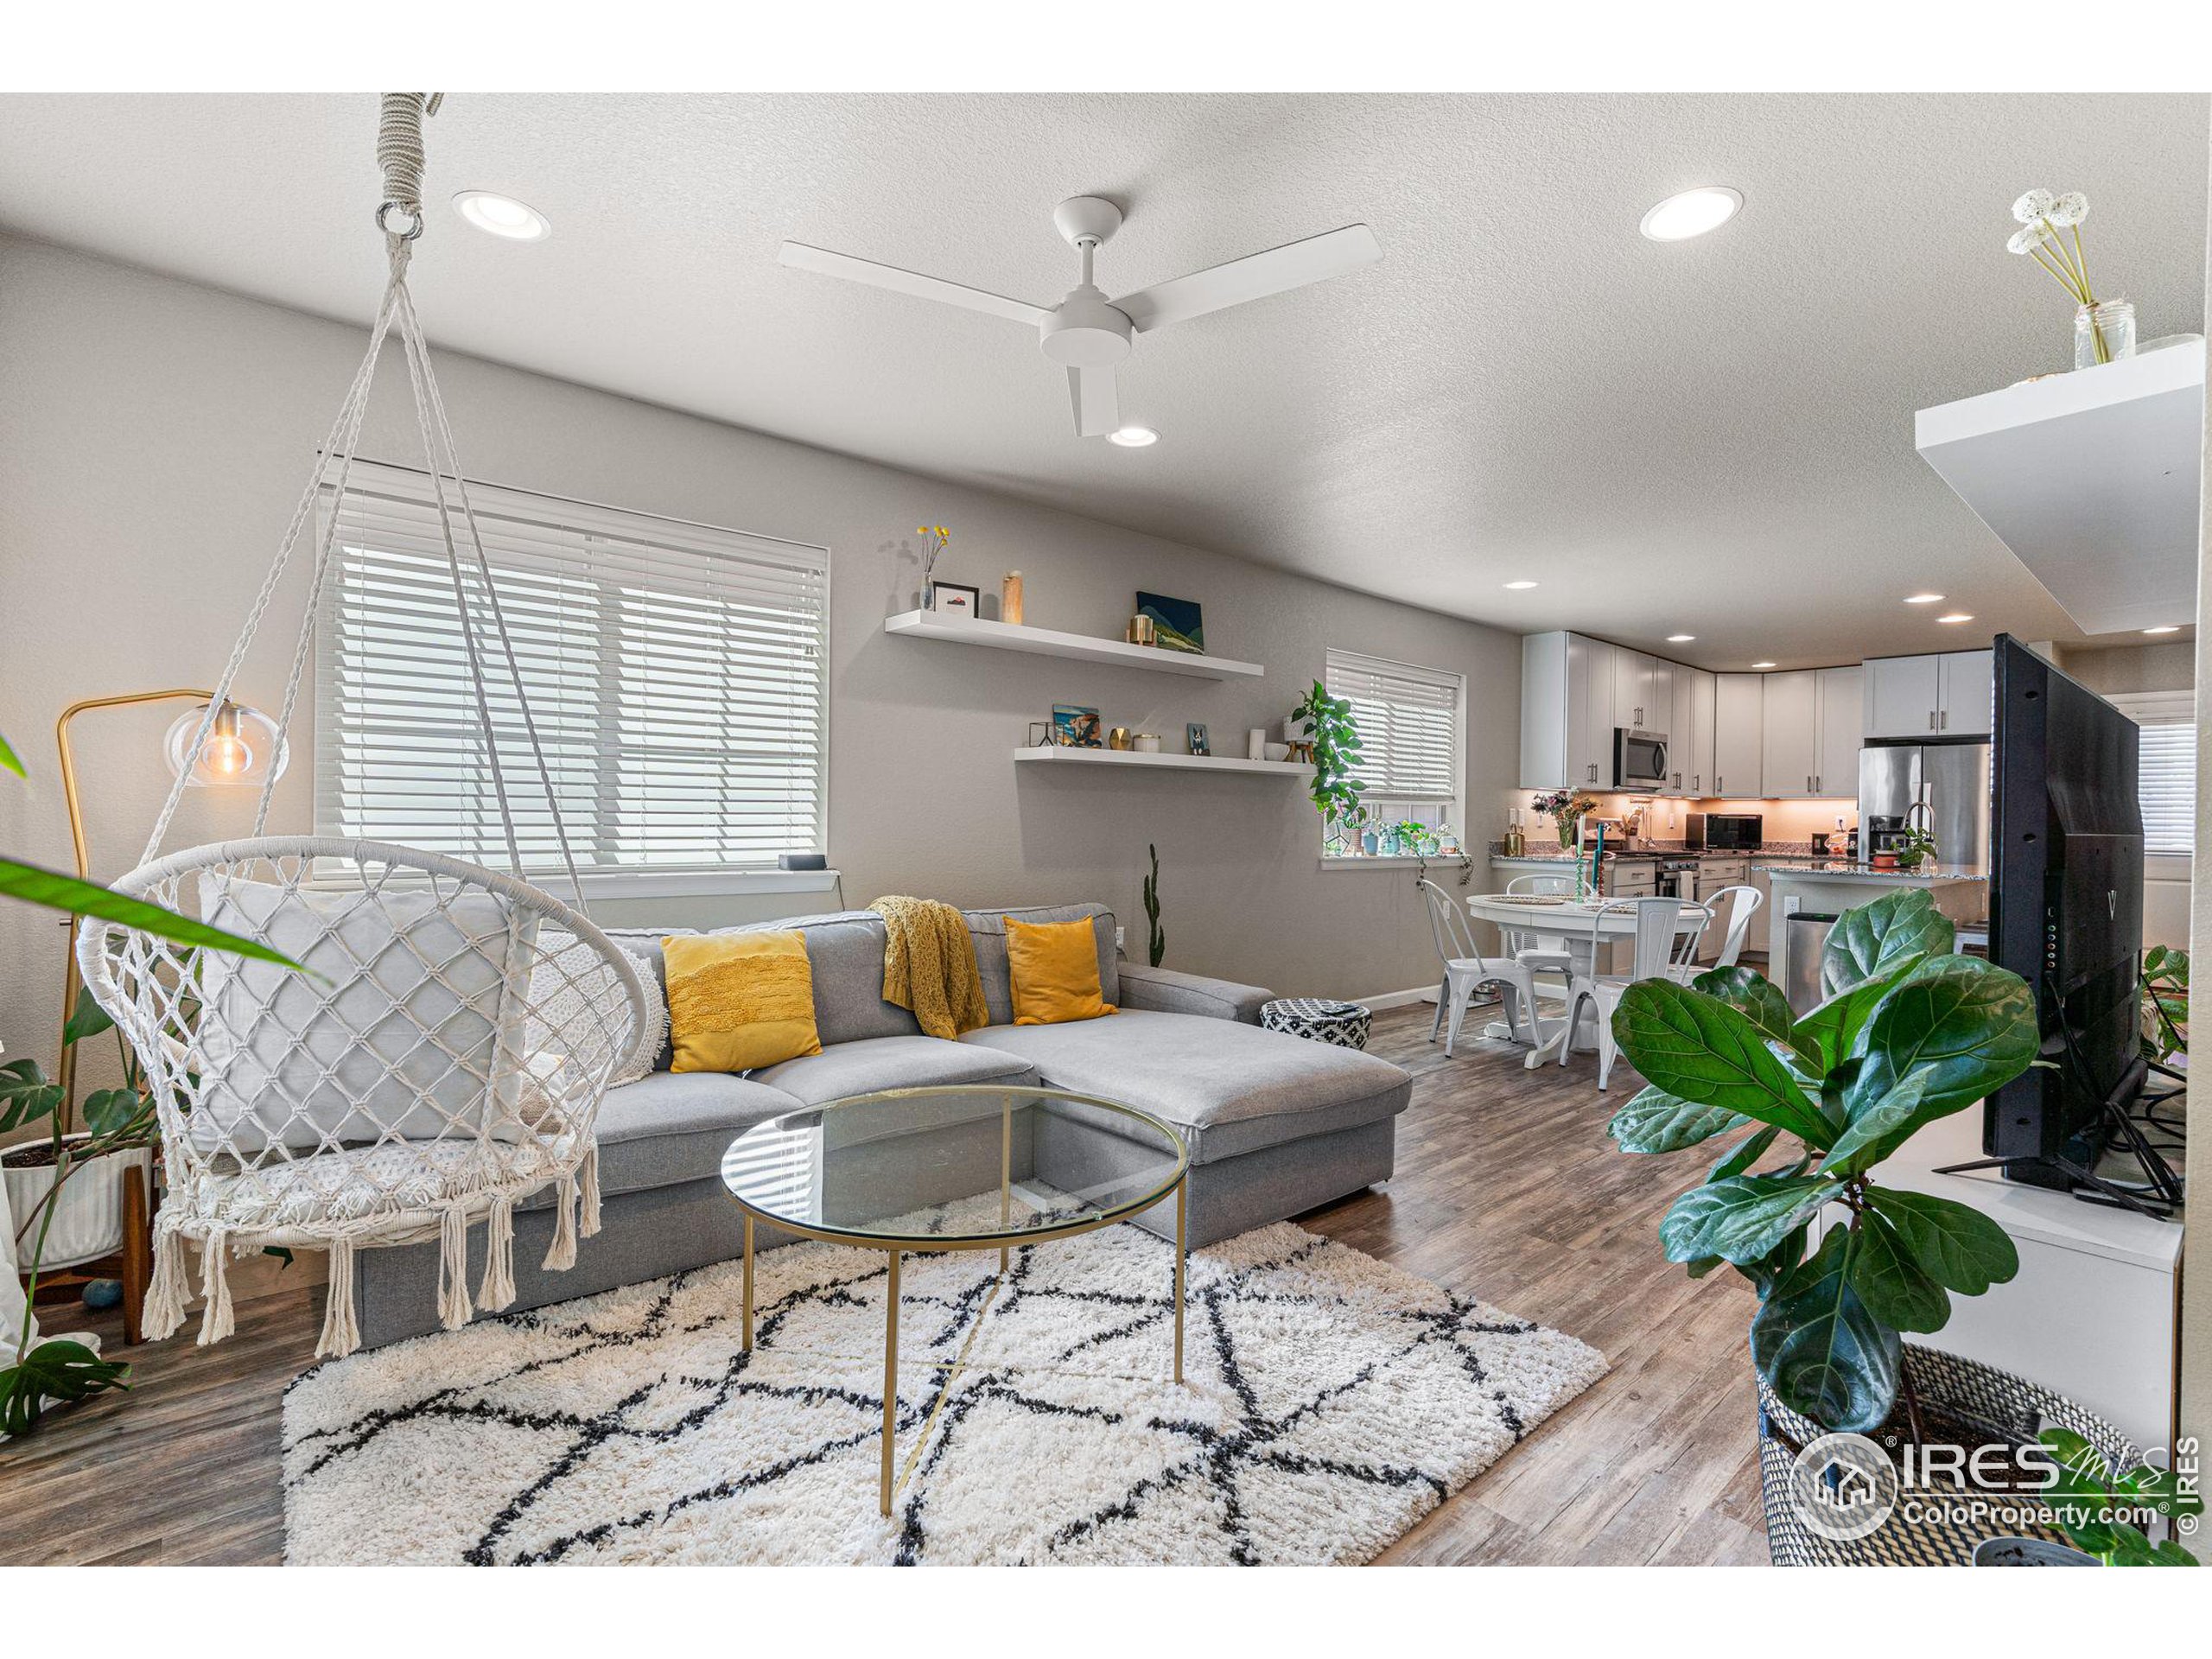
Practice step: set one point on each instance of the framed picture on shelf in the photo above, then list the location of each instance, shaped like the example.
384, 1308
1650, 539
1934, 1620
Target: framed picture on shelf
1177, 623
954, 598
1195, 738
1075, 728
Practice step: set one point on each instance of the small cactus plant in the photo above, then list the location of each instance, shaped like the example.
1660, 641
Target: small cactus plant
1159, 942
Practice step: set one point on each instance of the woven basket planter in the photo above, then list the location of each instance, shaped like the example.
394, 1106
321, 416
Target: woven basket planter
2019, 1408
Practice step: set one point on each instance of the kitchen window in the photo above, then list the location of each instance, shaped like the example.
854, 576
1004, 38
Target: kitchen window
1411, 724
2167, 768
674, 673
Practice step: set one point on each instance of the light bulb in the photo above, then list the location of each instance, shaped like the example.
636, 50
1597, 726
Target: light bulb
241, 746
225, 756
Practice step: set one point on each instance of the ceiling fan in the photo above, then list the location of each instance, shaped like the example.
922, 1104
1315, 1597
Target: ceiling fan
1090, 333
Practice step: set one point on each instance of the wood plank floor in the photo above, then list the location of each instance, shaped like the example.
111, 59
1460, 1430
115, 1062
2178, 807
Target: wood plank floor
1507, 1186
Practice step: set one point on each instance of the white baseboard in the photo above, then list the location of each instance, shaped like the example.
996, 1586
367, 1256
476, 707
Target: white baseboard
1399, 999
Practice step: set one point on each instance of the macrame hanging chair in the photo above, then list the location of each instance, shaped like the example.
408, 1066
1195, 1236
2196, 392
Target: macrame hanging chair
443, 1056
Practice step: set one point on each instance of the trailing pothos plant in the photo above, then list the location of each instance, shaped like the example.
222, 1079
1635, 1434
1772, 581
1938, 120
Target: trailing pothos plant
1329, 725
1910, 1033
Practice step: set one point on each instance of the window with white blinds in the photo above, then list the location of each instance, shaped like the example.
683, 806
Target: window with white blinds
674, 672
1411, 723
2167, 769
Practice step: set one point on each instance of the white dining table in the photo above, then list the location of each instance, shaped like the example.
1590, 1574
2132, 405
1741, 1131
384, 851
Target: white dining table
1558, 922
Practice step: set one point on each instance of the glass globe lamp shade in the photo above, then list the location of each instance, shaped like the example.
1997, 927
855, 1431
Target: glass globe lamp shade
242, 746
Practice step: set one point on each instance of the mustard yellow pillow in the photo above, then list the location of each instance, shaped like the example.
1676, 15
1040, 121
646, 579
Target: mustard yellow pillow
1055, 967
737, 1001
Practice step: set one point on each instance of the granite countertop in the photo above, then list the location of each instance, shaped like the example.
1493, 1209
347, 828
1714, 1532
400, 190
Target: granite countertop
1556, 855
1840, 870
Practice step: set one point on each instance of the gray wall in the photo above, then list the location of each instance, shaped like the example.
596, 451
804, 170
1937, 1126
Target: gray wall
154, 436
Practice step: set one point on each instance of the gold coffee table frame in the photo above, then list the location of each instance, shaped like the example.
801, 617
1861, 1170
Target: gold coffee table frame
894, 1246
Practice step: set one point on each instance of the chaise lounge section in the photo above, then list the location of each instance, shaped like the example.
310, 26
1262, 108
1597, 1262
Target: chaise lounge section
1275, 1125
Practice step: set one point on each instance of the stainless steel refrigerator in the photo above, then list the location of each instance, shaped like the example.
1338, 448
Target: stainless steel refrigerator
1953, 778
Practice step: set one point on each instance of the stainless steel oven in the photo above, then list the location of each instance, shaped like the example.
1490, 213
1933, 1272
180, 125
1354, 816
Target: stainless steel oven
1639, 759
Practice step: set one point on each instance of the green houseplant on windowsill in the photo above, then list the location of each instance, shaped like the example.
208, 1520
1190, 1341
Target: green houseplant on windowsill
1328, 724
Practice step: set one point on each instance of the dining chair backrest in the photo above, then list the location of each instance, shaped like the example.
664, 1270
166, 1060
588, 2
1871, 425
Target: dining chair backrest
1667, 932
1743, 904
1542, 883
1453, 928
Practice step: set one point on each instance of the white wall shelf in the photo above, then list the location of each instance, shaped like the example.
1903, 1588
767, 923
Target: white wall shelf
2091, 478
1174, 762
1044, 642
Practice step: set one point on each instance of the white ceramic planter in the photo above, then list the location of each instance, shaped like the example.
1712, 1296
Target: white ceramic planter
87, 1223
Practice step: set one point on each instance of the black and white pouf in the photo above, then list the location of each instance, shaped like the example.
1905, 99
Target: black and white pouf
1344, 1024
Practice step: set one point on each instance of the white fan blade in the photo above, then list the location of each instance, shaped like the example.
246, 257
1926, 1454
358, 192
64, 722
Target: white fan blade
1253, 277
1097, 410
909, 281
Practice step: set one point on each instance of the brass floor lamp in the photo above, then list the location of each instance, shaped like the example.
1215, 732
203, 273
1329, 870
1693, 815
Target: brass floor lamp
239, 745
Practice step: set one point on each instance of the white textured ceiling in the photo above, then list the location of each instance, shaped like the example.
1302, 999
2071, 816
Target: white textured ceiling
1712, 438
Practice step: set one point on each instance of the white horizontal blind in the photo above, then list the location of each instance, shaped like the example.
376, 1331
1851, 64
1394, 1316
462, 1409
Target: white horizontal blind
1410, 723
2168, 767
674, 672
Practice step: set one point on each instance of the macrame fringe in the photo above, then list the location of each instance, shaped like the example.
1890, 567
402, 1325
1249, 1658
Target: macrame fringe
562, 1253
453, 1310
215, 1321
341, 1331
588, 1178
169, 1289
497, 1290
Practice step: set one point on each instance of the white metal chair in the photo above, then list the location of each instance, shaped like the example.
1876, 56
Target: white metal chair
1524, 946
1664, 950
1744, 903
1466, 971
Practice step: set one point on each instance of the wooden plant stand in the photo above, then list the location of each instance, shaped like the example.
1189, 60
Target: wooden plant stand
133, 1263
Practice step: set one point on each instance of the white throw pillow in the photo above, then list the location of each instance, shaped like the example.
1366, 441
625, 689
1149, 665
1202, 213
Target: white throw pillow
420, 1006
569, 974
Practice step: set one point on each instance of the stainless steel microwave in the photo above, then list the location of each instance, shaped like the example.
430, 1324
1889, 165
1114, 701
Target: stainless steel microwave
1639, 759
1724, 831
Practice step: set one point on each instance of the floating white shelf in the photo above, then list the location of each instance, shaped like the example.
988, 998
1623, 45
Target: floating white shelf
1178, 762
2091, 478
1044, 642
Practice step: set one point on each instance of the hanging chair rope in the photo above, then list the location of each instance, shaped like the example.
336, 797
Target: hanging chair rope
445, 1057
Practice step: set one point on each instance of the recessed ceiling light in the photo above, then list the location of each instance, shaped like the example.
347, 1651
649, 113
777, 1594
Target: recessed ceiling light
2165, 627
1691, 213
1923, 599
1957, 616
487, 210
1133, 437
1680, 638
1517, 585
1762, 665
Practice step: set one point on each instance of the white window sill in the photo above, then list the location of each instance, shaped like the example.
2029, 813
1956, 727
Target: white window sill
1441, 861
691, 884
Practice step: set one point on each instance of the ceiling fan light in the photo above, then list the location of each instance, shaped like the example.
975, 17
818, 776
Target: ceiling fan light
1133, 437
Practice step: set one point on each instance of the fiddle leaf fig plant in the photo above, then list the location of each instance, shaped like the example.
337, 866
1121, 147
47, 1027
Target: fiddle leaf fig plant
1907, 1033
1328, 724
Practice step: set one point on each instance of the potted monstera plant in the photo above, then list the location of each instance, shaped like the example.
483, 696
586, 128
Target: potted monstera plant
1910, 1033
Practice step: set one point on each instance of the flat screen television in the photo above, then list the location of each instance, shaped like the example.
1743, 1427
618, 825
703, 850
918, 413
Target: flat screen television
2065, 912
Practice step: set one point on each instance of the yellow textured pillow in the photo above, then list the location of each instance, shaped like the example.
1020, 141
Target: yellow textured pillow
1055, 967
736, 1001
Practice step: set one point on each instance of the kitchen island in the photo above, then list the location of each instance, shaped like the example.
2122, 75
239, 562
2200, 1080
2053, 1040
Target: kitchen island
1810, 888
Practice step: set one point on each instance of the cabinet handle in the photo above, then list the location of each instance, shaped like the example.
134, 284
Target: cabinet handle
1943, 720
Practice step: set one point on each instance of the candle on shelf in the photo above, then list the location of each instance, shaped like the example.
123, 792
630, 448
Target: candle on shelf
1010, 597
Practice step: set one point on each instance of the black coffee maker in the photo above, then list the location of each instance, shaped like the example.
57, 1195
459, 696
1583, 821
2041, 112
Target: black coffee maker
1884, 834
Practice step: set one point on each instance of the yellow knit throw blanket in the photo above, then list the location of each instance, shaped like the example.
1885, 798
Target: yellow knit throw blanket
929, 965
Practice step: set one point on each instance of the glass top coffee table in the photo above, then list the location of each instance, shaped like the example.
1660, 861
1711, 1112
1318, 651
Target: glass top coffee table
905, 1170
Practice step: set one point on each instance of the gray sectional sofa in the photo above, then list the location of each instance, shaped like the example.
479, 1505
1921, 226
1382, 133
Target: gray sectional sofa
1275, 1125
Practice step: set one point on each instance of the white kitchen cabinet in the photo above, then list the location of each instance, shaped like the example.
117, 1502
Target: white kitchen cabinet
1901, 695
1659, 712
1634, 689
1790, 734
1966, 693
1567, 712
1842, 699
1700, 781
1945, 695
1738, 723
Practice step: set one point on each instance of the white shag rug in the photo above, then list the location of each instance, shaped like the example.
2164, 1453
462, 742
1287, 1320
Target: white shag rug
1331, 1402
